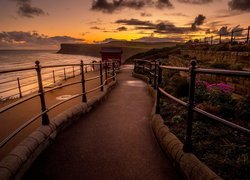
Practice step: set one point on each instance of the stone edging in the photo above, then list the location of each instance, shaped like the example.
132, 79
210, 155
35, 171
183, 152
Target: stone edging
187, 163
18, 161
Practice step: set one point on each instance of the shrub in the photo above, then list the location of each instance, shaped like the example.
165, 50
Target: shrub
220, 66
243, 108
201, 93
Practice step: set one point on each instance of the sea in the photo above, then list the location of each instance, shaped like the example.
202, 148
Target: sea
21, 83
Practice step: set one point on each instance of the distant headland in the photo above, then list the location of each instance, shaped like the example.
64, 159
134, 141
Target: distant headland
130, 48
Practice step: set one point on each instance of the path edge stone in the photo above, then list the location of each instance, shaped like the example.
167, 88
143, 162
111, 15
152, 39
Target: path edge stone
19, 160
187, 164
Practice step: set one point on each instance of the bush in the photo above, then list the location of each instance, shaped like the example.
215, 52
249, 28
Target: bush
220, 66
243, 108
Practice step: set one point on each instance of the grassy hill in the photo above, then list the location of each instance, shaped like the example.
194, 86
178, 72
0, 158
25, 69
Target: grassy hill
130, 48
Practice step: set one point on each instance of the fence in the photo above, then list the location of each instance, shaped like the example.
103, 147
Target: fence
156, 74
239, 36
106, 73
26, 84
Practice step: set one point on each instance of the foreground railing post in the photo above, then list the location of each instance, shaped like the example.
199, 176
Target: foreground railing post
248, 33
106, 73
73, 69
54, 78
64, 71
155, 75
113, 72
84, 98
188, 139
143, 68
19, 88
220, 39
232, 36
45, 117
158, 96
86, 69
101, 78
211, 40
135, 65
150, 69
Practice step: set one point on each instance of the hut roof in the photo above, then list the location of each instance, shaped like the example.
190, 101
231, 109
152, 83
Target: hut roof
111, 50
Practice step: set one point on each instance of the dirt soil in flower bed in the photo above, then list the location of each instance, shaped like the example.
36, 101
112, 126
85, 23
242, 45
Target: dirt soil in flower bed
222, 149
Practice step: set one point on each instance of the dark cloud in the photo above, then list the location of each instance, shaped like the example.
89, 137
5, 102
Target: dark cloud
33, 39
199, 20
135, 22
226, 31
169, 28
96, 28
109, 7
238, 31
164, 4
26, 10
196, 1
242, 5
163, 27
122, 28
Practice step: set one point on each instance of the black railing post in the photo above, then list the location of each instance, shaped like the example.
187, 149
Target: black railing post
101, 77
188, 139
248, 33
135, 65
150, 77
220, 39
45, 117
143, 68
86, 69
155, 76
64, 71
232, 36
158, 96
54, 78
113, 72
73, 70
106, 73
19, 88
84, 98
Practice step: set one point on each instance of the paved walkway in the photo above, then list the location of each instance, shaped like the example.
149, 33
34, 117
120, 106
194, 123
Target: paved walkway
113, 141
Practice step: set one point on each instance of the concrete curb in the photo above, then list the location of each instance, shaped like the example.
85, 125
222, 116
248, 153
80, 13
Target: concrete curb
18, 161
187, 163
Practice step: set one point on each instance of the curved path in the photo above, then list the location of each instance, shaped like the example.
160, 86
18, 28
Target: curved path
113, 141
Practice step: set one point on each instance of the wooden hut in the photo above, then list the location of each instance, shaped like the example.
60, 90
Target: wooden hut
112, 54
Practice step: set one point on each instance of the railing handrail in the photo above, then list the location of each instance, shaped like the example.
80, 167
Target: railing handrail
20, 86
41, 92
16, 69
190, 105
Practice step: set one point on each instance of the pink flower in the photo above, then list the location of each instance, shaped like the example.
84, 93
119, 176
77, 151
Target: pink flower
225, 88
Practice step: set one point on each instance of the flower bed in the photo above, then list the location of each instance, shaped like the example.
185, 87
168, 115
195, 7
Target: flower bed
224, 150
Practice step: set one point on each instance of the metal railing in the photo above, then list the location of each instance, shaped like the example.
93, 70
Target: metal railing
109, 75
233, 37
18, 88
190, 105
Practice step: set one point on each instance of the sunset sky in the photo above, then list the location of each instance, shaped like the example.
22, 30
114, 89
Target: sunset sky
37, 24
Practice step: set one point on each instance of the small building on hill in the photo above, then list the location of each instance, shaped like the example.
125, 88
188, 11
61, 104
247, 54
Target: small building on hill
112, 53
